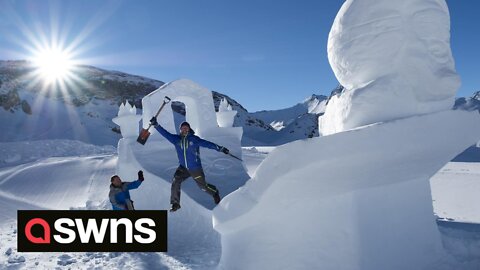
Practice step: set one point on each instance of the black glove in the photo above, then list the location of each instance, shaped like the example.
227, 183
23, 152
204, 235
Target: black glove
153, 121
224, 150
140, 176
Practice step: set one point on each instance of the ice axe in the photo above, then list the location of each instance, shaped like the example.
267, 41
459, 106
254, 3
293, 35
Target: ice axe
144, 133
235, 157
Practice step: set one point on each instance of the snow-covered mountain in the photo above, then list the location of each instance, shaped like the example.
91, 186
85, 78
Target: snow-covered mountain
470, 104
83, 111
276, 127
280, 119
472, 154
89, 83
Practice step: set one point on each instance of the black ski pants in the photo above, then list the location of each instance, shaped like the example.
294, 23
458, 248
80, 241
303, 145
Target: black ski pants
181, 174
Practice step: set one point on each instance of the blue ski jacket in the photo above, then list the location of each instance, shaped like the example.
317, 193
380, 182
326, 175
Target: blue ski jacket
119, 195
187, 147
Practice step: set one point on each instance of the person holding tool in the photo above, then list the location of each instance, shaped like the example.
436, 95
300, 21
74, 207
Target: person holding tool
187, 145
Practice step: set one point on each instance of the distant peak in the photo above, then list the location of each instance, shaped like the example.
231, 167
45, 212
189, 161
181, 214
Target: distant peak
315, 97
476, 95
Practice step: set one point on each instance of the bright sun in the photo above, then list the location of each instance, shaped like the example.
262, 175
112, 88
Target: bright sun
54, 65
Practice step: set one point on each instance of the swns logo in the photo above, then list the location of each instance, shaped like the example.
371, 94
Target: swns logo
92, 231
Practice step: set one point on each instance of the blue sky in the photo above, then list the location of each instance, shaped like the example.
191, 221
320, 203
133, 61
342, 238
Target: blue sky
266, 54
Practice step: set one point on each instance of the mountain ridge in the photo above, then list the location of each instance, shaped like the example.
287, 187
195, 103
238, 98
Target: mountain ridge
95, 102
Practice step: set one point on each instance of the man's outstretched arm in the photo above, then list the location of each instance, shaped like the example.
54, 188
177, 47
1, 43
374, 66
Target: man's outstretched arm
211, 145
137, 183
169, 136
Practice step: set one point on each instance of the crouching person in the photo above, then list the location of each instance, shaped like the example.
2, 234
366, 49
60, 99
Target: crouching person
119, 192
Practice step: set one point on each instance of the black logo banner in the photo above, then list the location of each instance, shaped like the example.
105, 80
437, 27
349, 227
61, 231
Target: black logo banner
92, 231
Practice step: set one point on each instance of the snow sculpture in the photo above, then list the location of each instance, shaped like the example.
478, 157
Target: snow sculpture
128, 120
394, 59
360, 199
200, 113
225, 114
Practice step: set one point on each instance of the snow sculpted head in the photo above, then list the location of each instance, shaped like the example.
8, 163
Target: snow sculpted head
394, 59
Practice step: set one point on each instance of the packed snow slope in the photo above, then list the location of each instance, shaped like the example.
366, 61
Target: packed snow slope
56, 174
353, 200
16, 153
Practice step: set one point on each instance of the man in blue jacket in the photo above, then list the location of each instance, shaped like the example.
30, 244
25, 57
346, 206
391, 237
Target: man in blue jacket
188, 152
119, 192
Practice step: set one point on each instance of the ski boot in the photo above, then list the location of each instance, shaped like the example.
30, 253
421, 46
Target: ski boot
175, 207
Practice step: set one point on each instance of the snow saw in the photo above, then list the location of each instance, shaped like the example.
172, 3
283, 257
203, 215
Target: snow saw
144, 133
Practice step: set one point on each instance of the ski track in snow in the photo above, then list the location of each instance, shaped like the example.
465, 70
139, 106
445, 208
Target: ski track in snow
461, 240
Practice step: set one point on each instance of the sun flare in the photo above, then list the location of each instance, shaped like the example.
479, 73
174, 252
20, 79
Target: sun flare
53, 64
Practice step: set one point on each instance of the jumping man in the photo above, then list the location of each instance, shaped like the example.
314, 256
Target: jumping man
188, 152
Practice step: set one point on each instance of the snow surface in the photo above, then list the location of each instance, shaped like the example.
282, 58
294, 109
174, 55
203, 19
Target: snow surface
394, 60
56, 119
83, 183
34, 185
15, 153
455, 191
